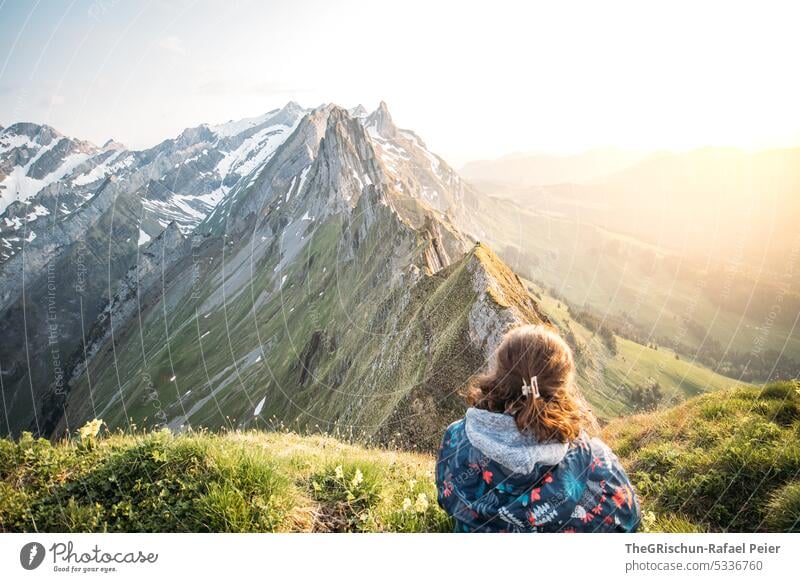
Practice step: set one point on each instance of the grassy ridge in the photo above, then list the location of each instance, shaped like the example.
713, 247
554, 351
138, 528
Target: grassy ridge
725, 461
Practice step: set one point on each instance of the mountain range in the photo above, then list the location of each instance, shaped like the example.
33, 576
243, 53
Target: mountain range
311, 267
322, 269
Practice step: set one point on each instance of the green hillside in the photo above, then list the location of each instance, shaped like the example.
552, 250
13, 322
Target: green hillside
609, 378
726, 461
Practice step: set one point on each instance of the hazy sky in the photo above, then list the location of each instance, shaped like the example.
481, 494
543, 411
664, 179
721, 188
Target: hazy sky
475, 80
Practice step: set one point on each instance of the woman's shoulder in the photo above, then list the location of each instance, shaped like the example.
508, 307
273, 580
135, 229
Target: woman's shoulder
452, 434
588, 449
455, 428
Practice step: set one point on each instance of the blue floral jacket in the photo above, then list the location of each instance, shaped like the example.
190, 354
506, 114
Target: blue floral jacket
492, 478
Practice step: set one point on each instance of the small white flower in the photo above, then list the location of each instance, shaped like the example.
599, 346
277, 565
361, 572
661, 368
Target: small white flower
421, 504
90, 429
358, 478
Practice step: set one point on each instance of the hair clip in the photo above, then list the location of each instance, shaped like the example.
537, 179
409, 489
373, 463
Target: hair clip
526, 390
532, 388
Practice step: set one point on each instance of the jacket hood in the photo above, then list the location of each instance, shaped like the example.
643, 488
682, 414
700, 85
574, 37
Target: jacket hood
490, 477
496, 435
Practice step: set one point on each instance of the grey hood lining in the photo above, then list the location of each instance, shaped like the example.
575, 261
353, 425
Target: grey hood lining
496, 435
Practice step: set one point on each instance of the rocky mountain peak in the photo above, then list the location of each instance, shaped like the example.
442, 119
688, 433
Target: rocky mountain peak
113, 145
359, 111
194, 135
172, 235
381, 121
346, 158
293, 107
288, 115
41, 134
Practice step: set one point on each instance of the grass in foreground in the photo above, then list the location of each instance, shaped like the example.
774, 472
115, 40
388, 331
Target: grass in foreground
725, 461
236, 482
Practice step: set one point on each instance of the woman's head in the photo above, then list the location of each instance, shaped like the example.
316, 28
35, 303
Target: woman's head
526, 353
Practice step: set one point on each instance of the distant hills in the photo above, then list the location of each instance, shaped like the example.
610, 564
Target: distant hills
520, 170
696, 250
711, 203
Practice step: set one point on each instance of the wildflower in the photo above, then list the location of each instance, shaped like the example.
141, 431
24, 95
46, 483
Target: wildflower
421, 504
339, 472
648, 520
358, 478
406, 504
90, 429
412, 483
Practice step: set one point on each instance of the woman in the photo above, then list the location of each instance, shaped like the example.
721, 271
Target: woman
521, 459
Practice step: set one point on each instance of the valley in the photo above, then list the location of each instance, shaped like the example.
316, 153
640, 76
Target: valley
737, 318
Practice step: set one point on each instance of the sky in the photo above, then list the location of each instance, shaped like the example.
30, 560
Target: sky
475, 80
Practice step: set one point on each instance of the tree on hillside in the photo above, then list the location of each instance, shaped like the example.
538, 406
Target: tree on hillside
646, 397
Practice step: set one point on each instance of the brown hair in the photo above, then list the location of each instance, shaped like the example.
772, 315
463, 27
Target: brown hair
560, 412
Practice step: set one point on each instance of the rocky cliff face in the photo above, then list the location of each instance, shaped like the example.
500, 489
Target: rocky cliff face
66, 240
330, 288
153, 265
